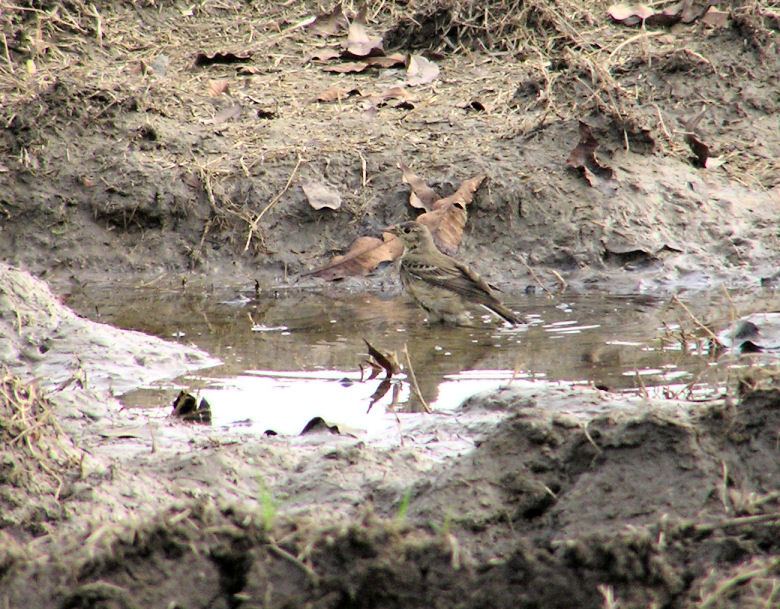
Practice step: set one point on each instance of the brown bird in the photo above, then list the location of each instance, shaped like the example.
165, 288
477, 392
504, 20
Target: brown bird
440, 284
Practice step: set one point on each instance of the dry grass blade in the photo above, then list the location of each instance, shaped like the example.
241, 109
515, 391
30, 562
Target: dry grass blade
32, 442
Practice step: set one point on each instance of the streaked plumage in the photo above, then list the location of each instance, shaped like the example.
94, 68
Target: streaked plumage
440, 284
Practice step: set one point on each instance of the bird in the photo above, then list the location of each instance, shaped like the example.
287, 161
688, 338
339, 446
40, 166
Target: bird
440, 284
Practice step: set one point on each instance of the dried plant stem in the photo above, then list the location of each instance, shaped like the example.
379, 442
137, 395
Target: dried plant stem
534, 276
253, 224
413, 378
694, 319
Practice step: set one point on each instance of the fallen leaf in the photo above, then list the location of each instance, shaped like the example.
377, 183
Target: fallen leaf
324, 54
335, 93
715, 18
187, 408
218, 87
421, 196
702, 153
446, 225
386, 61
387, 361
227, 114
321, 195
360, 44
629, 14
583, 157
681, 12
329, 24
421, 71
464, 195
201, 59
347, 67
364, 255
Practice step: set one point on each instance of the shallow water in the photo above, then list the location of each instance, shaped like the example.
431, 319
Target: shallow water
292, 356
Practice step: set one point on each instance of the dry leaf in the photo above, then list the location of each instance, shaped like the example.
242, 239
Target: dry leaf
421, 196
583, 157
633, 14
715, 18
321, 195
347, 67
446, 224
227, 114
336, 94
464, 195
329, 24
421, 71
386, 61
387, 361
360, 44
201, 59
364, 255
702, 152
218, 87
324, 54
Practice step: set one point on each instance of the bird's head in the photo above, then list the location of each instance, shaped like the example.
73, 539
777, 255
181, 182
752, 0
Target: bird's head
412, 234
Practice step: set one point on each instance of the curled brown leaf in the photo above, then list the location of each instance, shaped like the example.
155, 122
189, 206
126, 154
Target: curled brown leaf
583, 157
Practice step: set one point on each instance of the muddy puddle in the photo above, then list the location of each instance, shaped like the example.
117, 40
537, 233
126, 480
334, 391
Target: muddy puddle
291, 357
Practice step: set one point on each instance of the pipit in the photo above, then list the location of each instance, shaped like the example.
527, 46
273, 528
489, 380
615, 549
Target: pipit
441, 285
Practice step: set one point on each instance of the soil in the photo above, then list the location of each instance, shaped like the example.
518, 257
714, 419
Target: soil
124, 157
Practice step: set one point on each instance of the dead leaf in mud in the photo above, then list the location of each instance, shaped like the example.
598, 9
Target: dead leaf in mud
364, 255
187, 408
360, 44
421, 196
319, 424
347, 67
381, 361
336, 94
715, 18
421, 71
226, 114
702, 152
447, 219
446, 225
583, 157
386, 361
218, 87
324, 55
201, 59
681, 12
329, 24
321, 195
386, 61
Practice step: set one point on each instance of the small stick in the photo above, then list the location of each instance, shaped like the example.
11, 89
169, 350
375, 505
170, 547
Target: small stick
693, 318
413, 378
534, 276
282, 553
274, 201
8, 55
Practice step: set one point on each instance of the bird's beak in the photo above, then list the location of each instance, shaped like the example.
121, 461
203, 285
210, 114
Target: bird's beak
392, 229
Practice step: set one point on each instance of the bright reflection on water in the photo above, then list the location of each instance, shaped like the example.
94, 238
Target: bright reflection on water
292, 356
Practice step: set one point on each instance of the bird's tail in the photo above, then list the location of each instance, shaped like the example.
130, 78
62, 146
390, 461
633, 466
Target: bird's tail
506, 314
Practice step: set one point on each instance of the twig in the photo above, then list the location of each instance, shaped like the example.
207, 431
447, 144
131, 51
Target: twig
534, 276
413, 378
282, 553
274, 201
8, 55
694, 320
